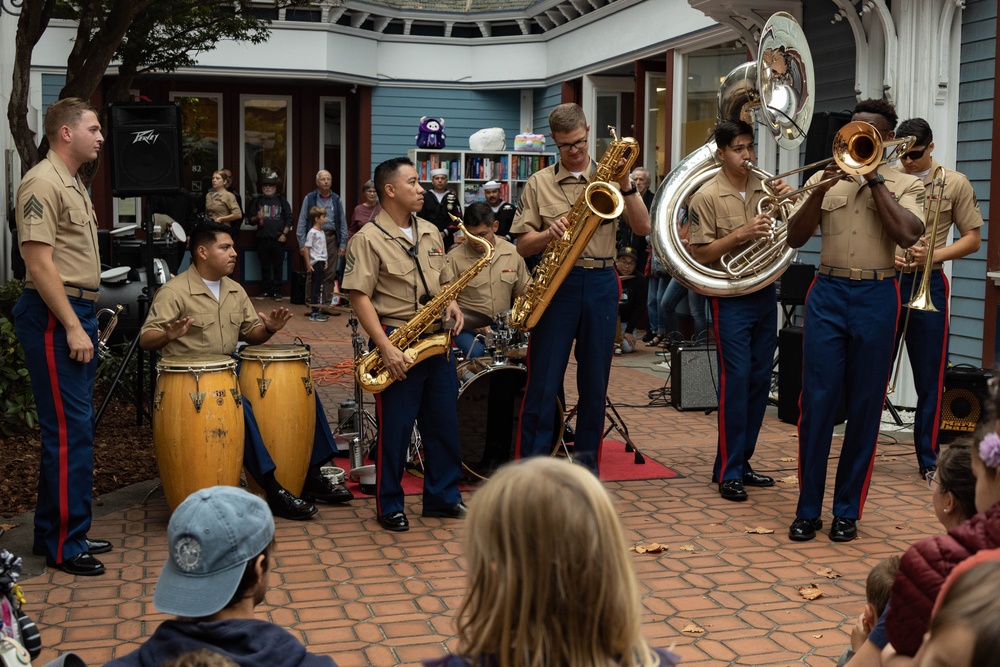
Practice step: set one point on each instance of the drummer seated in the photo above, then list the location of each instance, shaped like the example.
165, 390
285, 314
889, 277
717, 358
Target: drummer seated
203, 311
491, 292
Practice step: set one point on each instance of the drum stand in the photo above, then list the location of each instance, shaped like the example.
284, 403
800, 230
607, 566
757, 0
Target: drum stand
617, 423
359, 417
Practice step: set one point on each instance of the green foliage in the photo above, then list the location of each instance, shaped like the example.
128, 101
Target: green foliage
17, 404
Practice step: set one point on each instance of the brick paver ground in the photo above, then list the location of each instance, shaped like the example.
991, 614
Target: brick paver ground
370, 597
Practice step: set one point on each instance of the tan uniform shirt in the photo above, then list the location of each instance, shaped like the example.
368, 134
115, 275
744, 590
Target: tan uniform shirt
54, 209
853, 235
380, 265
718, 209
218, 325
492, 291
220, 204
959, 205
550, 194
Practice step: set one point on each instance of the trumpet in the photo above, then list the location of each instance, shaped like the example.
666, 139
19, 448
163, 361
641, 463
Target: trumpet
920, 296
104, 334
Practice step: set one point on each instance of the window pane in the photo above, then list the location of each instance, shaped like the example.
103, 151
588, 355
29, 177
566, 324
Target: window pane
265, 144
332, 143
705, 71
200, 141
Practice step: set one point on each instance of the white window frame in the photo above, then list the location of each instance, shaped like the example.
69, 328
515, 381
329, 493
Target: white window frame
217, 96
289, 185
323, 101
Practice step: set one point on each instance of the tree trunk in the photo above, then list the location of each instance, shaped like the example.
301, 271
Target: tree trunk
31, 24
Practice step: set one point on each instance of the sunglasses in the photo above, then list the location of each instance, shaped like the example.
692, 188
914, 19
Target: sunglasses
915, 155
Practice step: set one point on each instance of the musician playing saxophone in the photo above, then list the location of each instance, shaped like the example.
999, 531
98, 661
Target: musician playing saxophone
585, 307
723, 219
927, 331
394, 265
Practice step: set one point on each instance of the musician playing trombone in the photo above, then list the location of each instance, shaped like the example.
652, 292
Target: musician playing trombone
850, 321
927, 331
723, 219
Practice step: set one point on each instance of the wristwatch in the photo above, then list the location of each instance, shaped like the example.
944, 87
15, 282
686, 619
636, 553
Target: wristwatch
879, 178
632, 191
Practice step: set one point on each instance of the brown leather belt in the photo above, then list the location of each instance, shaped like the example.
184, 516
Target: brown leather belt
72, 290
595, 262
857, 274
916, 269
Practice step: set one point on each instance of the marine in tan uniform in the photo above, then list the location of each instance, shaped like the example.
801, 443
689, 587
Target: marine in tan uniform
56, 324
585, 307
492, 291
927, 332
203, 311
395, 264
850, 323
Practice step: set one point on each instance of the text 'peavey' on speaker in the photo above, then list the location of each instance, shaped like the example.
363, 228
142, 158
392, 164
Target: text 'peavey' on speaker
145, 149
963, 405
694, 377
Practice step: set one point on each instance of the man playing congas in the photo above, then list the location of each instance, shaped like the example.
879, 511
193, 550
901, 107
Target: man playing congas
203, 311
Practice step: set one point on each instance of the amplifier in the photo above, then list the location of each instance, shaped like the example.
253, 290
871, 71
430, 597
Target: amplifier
965, 399
694, 377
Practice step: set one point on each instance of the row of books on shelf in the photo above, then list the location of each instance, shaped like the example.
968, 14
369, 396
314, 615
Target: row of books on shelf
424, 168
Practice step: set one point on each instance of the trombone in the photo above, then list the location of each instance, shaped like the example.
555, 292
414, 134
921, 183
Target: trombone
920, 296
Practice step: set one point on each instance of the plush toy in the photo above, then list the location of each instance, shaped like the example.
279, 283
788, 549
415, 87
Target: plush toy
488, 139
530, 143
430, 134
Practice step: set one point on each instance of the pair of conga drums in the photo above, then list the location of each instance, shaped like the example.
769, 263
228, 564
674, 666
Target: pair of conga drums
198, 420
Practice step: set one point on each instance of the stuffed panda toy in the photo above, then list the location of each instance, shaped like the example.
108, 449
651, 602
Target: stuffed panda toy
430, 133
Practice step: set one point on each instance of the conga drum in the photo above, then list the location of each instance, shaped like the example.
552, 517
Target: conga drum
277, 381
197, 424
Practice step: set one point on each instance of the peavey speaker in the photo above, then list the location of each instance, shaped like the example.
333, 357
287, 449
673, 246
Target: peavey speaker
145, 149
694, 377
790, 378
794, 284
966, 391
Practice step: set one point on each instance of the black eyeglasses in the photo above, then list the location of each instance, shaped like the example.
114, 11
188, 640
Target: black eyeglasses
564, 148
915, 155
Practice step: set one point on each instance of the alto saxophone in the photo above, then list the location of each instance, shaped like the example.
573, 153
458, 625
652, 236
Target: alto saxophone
370, 369
599, 201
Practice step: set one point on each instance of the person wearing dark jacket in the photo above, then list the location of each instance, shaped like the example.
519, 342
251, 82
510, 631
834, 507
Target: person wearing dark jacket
632, 301
219, 554
273, 216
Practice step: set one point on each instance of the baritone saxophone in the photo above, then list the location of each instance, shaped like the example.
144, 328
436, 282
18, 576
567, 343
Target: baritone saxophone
600, 201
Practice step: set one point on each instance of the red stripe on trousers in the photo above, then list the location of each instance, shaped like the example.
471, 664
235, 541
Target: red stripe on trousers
723, 445
50, 361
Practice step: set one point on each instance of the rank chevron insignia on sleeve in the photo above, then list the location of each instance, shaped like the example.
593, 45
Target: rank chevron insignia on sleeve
33, 209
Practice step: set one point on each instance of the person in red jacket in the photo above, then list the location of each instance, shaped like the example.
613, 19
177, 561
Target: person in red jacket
927, 564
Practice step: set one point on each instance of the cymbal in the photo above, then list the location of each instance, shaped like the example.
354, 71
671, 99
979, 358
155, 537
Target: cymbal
476, 320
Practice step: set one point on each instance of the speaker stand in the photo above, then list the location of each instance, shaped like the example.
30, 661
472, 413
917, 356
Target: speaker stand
892, 411
618, 424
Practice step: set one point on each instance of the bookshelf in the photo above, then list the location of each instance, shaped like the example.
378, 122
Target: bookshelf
468, 171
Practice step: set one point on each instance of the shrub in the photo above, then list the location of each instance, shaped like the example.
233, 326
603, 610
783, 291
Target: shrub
17, 404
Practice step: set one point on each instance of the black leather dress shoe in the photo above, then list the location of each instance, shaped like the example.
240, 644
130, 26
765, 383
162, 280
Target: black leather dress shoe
751, 478
803, 530
456, 511
287, 506
395, 521
322, 489
82, 565
843, 530
733, 489
93, 546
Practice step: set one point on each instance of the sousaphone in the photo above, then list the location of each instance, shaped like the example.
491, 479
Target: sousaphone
777, 91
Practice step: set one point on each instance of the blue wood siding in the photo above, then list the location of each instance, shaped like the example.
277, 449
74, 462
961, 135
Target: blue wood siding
975, 134
396, 114
546, 99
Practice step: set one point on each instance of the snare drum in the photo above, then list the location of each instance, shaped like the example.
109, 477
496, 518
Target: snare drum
510, 342
277, 381
489, 407
197, 424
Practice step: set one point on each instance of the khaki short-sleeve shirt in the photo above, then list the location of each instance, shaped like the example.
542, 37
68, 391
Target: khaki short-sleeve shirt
959, 205
853, 235
492, 291
550, 194
220, 204
718, 209
218, 325
54, 209
379, 264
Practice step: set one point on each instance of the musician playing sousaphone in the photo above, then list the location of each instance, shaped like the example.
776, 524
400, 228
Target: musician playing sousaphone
395, 264
585, 307
203, 311
927, 331
723, 220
